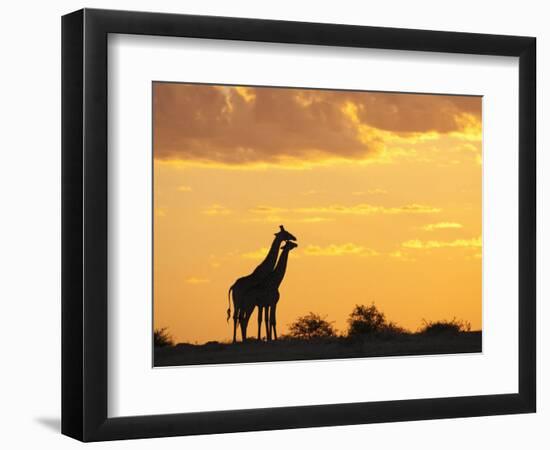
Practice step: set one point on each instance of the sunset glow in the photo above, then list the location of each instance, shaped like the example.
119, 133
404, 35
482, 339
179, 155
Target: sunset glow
382, 191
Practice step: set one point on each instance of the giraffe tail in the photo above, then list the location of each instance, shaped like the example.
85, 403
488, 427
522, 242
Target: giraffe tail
229, 303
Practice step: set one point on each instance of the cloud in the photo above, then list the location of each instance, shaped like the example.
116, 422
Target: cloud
209, 124
441, 226
339, 250
316, 250
265, 209
195, 280
290, 220
216, 210
265, 219
418, 113
184, 189
236, 126
256, 254
312, 220
367, 209
400, 256
458, 243
274, 213
370, 192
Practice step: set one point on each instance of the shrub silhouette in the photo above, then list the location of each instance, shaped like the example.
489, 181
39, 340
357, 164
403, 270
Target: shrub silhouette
162, 338
392, 329
453, 326
311, 326
368, 320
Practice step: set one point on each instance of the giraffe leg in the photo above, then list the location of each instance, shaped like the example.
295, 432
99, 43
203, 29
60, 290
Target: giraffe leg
273, 321
242, 323
259, 323
235, 320
267, 324
248, 314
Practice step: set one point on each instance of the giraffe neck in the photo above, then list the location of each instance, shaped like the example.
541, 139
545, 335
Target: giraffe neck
267, 265
280, 268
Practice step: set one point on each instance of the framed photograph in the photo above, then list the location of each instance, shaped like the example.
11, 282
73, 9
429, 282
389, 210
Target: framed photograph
266, 224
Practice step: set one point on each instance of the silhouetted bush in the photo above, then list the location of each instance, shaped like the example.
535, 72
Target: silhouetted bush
311, 326
391, 330
453, 326
366, 320
162, 338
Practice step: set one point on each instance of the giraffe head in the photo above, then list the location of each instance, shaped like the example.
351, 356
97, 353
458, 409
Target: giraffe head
289, 245
284, 235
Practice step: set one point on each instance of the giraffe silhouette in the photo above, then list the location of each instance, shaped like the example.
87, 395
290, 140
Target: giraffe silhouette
266, 295
244, 284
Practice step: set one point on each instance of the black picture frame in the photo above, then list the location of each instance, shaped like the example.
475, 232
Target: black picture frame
84, 224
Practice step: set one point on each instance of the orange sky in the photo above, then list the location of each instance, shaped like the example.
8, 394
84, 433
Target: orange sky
382, 190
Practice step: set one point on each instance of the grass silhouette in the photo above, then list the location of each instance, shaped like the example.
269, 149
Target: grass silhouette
453, 326
162, 338
313, 337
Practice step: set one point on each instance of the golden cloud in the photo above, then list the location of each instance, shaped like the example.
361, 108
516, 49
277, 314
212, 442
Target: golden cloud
216, 210
256, 254
195, 280
204, 124
312, 192
280, 219
367, 209
264, 209
312, 220
370, 191
274, 212
339, 250
458, 243
399, 255
441, 226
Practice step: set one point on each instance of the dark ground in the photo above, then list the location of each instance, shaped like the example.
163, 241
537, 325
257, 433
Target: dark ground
322, 348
